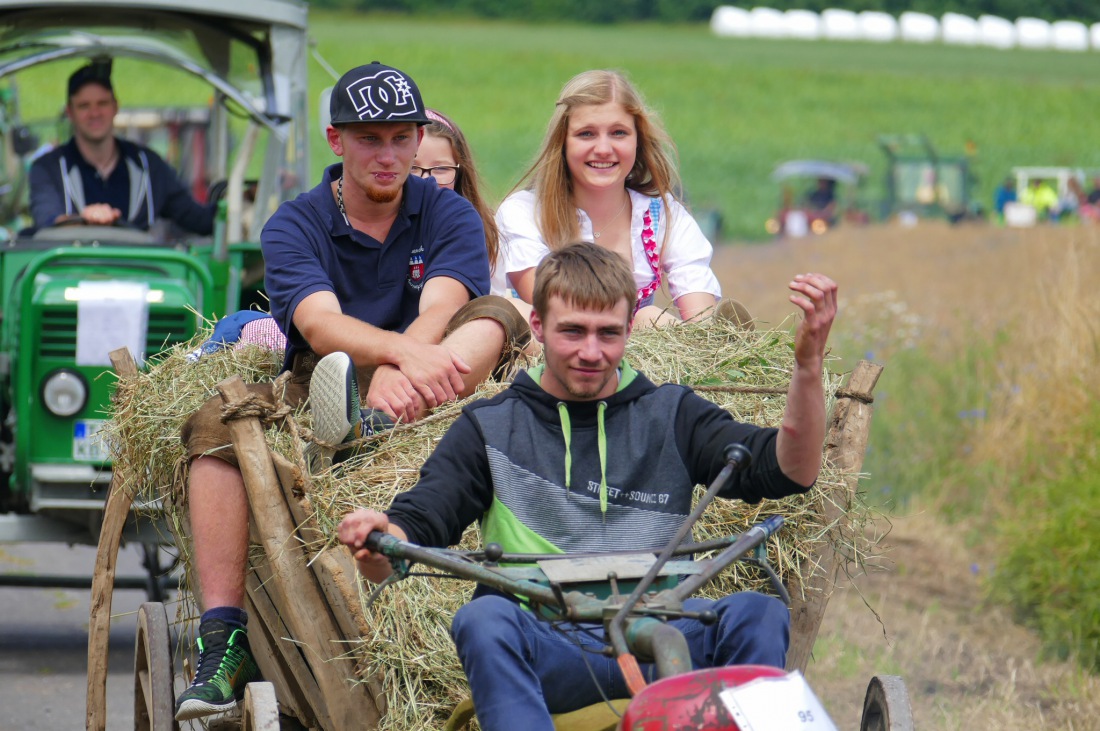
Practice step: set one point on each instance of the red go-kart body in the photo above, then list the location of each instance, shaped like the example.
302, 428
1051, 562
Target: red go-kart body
690, 702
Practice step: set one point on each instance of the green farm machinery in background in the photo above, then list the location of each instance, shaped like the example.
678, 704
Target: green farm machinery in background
71, 294
922, 183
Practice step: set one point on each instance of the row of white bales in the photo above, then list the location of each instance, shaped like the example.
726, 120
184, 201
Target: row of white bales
869, 25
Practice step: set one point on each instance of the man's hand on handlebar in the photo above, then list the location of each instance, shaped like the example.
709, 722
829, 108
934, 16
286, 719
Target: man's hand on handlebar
353, 532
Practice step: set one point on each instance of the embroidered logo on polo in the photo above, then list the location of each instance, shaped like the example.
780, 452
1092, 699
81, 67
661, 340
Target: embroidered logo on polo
386, 94
416, 269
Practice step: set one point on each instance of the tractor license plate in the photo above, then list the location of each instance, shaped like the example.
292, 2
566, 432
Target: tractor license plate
89, 444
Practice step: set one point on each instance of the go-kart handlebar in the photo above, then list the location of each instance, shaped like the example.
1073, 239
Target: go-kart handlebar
535, 588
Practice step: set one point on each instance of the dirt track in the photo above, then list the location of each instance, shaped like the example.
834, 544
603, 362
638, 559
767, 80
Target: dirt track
966, 664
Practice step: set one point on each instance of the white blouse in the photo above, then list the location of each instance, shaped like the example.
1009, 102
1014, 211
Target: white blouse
685, 257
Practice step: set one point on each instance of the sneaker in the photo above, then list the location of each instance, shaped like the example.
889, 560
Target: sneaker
334, 401
225, 667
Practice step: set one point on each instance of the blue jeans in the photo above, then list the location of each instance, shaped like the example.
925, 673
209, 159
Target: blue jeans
521, 670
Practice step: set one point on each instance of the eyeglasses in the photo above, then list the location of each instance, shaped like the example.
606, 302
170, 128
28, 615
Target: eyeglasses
443, 174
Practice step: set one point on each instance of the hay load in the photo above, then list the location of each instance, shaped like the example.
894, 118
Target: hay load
403, 654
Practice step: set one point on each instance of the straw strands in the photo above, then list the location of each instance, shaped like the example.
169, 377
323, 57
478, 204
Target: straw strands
409, 649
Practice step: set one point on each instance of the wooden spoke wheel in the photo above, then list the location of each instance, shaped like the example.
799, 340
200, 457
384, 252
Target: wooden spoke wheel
154, 696
886, 705
261, 712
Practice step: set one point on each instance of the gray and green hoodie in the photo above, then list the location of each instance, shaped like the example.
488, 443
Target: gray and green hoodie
549, 476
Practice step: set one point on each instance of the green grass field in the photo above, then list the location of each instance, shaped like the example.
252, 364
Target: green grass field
736, 107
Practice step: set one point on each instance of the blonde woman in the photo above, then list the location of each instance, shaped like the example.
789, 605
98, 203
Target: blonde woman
606, 173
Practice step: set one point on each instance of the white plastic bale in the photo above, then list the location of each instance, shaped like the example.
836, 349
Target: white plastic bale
802, 24
1094, 36
996, 32
918, 27
730, 21
877, 27
767, 23
1069, 35
959, 30
1033, 33
839, 25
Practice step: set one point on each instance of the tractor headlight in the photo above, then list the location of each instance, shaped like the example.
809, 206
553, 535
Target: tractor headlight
65, 392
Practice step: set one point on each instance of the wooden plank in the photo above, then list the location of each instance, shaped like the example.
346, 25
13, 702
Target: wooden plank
115, 513
294, 592
333, 567
294, 683
845, 445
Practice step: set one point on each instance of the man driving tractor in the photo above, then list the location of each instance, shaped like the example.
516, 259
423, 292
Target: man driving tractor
97, 178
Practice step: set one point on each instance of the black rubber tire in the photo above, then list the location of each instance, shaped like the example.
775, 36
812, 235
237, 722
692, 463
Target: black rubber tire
886, 705
154, 695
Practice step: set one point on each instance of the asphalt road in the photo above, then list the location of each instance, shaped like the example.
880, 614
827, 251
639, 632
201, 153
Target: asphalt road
44, 641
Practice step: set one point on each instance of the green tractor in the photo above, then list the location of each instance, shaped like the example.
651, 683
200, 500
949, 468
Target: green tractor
72, 294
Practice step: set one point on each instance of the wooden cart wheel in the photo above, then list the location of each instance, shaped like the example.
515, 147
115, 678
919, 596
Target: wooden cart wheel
886, 705
261, 712
154, 696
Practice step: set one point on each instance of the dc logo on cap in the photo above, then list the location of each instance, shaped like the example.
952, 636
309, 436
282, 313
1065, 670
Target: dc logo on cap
385, 95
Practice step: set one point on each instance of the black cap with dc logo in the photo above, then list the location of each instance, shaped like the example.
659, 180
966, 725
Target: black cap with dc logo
376, 93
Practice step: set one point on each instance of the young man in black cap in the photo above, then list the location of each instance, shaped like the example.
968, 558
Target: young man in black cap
102, 179
375, 268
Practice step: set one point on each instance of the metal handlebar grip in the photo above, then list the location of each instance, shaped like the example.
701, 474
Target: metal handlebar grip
377, 541
738, 456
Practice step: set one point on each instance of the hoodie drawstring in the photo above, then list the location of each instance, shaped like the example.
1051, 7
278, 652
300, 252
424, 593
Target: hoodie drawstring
601, 445
567, 433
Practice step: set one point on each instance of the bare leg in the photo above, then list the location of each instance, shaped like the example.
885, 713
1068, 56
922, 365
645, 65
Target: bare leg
219, 528
479, 342
653, 316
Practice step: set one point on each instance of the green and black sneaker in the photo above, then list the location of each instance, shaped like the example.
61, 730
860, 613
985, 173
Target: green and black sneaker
225, 667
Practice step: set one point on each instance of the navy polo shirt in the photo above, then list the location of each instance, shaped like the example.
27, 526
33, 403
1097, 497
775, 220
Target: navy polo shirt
308, 247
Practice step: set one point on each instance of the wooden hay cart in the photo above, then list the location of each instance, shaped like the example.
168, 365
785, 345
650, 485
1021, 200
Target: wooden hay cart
305, 603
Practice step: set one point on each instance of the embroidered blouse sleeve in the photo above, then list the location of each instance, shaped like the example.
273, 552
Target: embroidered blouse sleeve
686, 255
521, 243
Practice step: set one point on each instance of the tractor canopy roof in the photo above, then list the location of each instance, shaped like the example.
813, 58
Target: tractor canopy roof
849, 173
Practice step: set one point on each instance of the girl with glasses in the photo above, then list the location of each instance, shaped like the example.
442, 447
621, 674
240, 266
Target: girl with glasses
445, 155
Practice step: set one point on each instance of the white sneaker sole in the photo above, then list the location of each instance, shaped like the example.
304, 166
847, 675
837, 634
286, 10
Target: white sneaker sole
328, 398
194, 708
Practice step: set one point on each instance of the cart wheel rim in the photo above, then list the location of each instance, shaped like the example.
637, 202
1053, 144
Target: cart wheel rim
154, 695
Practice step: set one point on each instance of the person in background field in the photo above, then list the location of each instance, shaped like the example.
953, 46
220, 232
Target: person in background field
586, 454
821, 201
103, 180
1005, 194
605, 173
375, 268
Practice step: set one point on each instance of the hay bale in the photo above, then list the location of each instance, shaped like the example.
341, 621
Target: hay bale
409, 649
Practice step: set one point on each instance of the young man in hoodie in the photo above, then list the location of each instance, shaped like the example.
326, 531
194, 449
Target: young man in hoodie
586, 454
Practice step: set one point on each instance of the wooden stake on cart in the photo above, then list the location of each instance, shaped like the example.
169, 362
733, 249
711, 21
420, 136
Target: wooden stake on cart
845, 445
292, 587
115, 513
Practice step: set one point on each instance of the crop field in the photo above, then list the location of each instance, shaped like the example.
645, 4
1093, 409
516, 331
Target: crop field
735, 107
